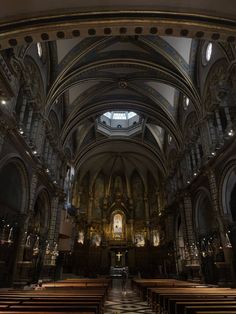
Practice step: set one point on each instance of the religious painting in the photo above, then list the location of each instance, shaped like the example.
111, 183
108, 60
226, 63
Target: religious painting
80, 237
155, 238
96, 239
117, 225
139, 239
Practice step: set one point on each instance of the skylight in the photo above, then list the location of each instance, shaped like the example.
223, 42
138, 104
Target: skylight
108, 115
120, 115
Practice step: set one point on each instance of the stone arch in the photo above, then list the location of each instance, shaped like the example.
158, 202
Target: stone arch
204, 222
42, 208
172, 158
207, 230
34, 80
216, 75
228, 191
14, 200
55, 124
9, 165
38, 227
189, 128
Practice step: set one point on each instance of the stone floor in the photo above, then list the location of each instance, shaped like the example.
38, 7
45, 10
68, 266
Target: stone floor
124, 302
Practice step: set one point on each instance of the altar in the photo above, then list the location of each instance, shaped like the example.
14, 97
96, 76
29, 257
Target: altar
118, 257
116, 272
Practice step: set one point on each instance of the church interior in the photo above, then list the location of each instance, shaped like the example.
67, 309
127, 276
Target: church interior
118, 152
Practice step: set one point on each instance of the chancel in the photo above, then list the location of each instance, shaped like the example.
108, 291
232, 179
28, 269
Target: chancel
117, 153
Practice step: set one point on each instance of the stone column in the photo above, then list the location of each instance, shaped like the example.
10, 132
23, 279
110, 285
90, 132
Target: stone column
49, 157
193, 159
215, 197
34, 129
228, 117
33, 186
40, 136
90, 206
188, 211
219, 127
22, 110
2, 137
198, 155
52, 237
23, 221
131, 223
18, 272
194, 266
29, 121
205, 139
212, 132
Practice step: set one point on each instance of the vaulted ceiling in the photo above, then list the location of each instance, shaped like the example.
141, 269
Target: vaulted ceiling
108, 56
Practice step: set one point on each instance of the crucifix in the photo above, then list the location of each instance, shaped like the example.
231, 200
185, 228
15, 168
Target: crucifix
119, 256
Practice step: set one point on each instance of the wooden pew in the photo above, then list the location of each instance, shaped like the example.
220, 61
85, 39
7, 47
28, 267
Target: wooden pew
161, 296
171, 306
181, 306
142, 285
87, 296
13, 312
206, 308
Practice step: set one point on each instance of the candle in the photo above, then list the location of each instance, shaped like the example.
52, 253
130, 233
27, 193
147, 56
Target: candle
27, 243
9, 240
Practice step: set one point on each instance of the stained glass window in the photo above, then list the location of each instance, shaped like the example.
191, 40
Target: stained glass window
208, 52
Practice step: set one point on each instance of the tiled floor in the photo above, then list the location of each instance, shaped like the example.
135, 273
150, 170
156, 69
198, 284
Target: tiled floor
119, 302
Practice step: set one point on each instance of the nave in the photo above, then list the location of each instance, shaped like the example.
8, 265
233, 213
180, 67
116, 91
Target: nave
125, 302
117, 142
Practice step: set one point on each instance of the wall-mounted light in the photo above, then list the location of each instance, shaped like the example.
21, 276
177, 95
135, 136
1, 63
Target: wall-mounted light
21, 131
231, 132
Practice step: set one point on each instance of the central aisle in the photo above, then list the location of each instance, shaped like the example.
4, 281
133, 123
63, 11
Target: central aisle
119, 302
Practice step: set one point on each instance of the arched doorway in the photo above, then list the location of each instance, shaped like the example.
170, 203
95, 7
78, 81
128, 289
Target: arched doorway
13, 203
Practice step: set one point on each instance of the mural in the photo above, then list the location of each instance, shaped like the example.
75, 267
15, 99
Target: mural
117, 224
80, 237
139, 239
155, 238
118, 227
96, 239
